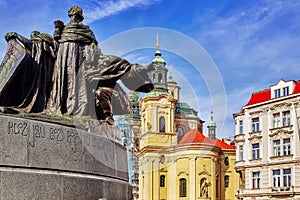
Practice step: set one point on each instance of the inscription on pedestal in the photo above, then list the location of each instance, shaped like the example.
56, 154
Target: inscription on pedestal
39, 144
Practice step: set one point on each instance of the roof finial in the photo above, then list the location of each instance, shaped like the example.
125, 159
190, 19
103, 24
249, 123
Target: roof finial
157, 42
170, 73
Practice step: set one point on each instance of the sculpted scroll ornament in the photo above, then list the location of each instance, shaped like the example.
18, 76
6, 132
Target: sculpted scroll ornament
281, 106
255, 138
281, 133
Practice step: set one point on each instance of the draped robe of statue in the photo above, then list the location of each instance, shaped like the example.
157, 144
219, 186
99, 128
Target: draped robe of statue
29, 88
81, 68
69, 93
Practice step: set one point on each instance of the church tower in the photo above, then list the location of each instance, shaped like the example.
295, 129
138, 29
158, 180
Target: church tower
173, 88
212, 127
159, 75
158, 107
157, 132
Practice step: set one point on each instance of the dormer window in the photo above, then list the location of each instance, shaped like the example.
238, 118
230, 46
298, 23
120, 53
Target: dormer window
286, 91
277, 93
282, 89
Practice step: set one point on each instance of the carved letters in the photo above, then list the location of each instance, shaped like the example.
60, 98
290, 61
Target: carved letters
37, 132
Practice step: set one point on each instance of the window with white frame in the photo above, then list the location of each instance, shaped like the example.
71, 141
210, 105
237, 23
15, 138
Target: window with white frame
276, 147
277, 93
287, 177
255, 124
286, 146
286, 119
241, 152
256, 180
241, 126
276, 120
285, 91
276, 178
255, 151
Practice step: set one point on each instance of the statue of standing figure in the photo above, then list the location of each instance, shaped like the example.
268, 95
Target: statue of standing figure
83, 81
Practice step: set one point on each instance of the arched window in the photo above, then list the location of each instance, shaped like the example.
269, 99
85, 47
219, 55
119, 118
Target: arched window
226, 179
153, 77
179, 133
162, 124
160, 78
162, 180
182, 187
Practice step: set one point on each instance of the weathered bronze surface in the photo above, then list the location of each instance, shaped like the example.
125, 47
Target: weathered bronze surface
66, 74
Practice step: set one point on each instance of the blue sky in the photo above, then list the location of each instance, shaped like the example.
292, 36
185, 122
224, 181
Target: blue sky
253, 44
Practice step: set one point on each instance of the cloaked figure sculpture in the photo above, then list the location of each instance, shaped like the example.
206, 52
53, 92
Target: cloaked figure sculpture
83, 81
29, 87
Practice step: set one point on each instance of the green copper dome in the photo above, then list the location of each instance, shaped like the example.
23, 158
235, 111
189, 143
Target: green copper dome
154, 93
158, 58
186, 109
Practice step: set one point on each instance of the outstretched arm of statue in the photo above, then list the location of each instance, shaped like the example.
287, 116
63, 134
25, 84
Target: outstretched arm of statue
137, 78
13, 35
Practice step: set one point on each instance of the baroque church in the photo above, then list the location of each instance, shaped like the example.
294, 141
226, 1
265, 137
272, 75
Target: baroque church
172, 158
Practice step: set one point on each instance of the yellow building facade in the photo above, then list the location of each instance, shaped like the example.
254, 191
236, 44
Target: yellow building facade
176, 161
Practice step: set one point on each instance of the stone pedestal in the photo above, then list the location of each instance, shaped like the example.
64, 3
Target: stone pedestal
44, 160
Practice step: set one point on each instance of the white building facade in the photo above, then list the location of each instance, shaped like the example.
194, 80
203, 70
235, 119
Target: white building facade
267, 144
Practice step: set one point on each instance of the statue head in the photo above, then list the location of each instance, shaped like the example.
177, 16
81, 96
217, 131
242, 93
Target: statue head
76, 11
34, 34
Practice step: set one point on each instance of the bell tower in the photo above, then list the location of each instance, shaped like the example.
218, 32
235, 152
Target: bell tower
159, 75
212, 127
158, 108
173, 88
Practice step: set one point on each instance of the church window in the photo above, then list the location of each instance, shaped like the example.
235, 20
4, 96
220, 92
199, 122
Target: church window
180, 133
162, 124
160, 78
182, 187
162, 180
226, 179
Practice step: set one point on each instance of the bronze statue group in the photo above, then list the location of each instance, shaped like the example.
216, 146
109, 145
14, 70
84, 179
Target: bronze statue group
67, 74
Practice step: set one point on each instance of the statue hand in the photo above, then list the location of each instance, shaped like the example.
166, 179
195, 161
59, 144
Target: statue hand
10, 35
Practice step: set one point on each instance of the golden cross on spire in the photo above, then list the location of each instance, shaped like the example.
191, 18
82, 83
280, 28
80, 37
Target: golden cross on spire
157, 43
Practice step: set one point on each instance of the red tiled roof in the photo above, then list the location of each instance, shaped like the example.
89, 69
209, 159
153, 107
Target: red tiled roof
259, 97
195, 136
223, 145
265, 95
297, 88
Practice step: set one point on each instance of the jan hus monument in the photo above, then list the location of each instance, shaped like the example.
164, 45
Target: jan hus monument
58, 95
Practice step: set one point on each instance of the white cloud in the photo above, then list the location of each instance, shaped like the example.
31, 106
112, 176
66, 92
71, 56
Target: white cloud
107, 8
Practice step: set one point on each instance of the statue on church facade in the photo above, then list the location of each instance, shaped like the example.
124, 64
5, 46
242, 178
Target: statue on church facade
67, 74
